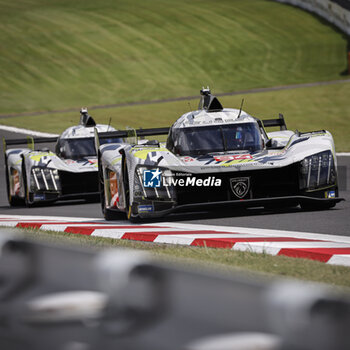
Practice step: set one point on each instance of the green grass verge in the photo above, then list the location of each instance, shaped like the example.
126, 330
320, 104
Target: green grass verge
226, 260
60, 53
305, 109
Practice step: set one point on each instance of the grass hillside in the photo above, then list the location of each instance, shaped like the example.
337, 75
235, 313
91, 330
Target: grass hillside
60, 53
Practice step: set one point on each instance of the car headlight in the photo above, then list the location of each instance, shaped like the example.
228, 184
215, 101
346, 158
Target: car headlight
44, 179
153, 183
317, 171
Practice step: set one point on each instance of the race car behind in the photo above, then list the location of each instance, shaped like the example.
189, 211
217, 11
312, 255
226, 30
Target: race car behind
35, 175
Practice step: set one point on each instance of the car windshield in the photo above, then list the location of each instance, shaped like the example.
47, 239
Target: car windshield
81, 147
217, 138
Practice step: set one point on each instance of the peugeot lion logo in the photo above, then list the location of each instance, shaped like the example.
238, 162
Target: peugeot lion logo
240, 186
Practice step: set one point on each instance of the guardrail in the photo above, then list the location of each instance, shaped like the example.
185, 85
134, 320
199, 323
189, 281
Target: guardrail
67, 299
336, 12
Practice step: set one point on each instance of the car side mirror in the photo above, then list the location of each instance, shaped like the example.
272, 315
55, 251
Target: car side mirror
275, 144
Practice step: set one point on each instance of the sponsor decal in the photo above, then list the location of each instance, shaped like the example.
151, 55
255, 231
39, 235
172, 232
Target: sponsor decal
116, 160
42, 157
330, 194
152, 178
225, 158
39, 196
188, 159
143, 153
146, 208
70, 161
240, 186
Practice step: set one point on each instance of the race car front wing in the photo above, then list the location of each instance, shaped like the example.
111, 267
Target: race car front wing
153, 209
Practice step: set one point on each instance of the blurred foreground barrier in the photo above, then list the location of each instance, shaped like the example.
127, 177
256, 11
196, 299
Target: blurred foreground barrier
336, 12
73, 299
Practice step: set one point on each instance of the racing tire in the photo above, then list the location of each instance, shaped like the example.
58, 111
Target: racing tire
13, 201
108, 214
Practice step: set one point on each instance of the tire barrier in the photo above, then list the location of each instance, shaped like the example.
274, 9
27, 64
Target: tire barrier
336, 12
58, 298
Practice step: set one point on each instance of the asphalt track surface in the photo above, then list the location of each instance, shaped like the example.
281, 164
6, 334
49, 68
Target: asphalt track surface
335, 221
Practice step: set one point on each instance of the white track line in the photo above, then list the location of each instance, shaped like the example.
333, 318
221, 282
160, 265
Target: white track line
38, 218
296, 245
343, 154
26, 131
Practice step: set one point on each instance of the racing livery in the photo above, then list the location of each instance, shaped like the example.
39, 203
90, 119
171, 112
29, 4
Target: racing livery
39, 176
215, 157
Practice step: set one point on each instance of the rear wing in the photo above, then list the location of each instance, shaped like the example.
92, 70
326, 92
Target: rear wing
267, 123
133, 132
29, 141
130, 133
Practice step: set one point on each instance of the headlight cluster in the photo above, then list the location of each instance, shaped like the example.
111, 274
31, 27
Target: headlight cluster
153, 183
317, 171
44, 179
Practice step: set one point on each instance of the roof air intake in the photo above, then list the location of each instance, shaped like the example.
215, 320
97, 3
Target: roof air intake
209, 102
86, 119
